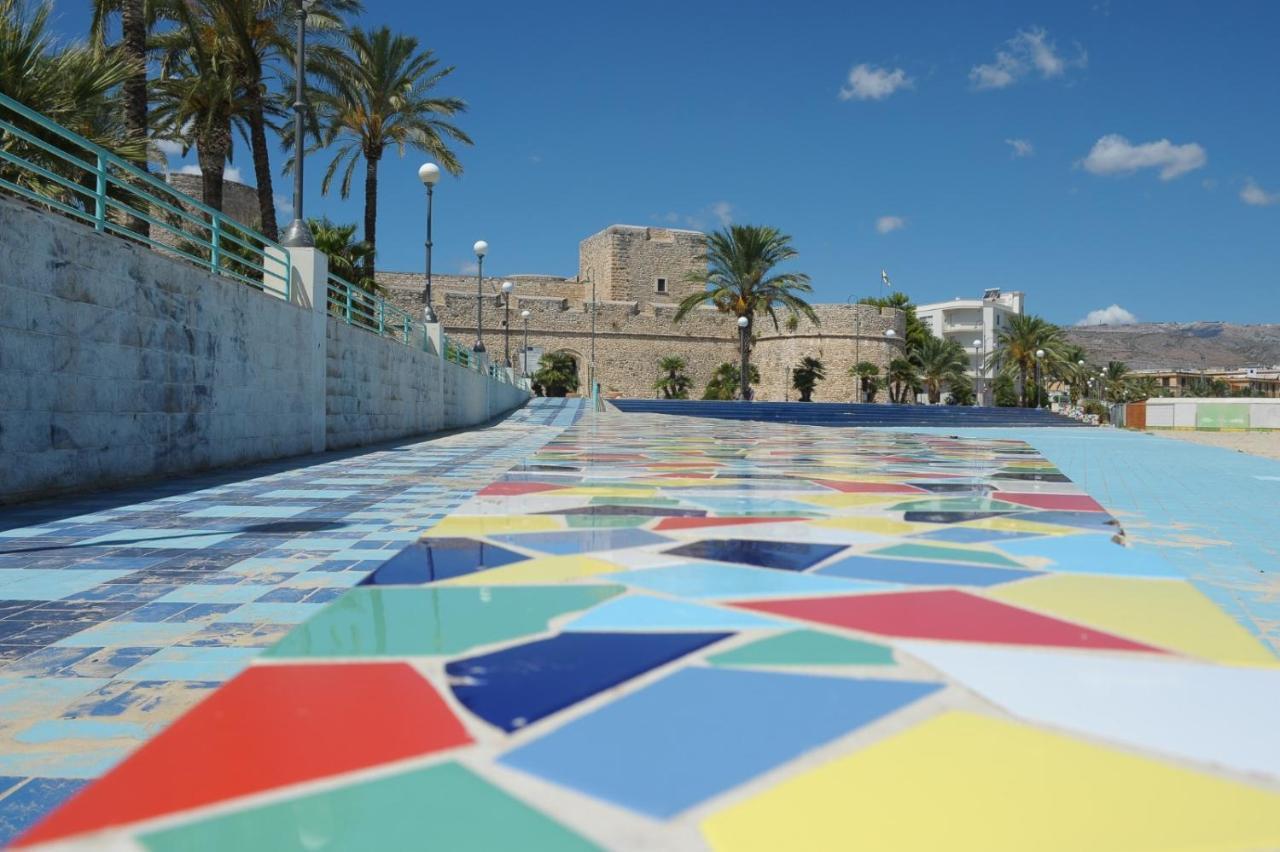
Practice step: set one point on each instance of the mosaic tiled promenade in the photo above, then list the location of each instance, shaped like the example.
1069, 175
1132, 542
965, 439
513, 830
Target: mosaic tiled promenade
665, 632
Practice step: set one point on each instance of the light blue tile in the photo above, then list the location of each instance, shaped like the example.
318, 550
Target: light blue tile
309, 494
133, 634
29, 532
256, 565
716, 580
50, 584
306, 543
178, 539
85, 762
378, 556
54, 730
272, 613
222, 593
278, 511
37, 696
644, 612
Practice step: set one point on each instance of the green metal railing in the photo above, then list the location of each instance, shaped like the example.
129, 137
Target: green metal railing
53, 167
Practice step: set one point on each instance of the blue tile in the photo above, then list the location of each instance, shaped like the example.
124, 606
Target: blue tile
276, 511
571, 542
153, 612
439, 559
720, 728
971, 535
273, 613
129, 633
161, 538
52, 661
26, 805
921, 572
518, 686
48, 584
235, 592
784, 555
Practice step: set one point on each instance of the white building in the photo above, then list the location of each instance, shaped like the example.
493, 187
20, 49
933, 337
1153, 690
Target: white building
970, 321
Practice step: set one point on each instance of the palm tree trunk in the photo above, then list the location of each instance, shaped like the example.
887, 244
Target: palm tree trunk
211, 152
744, 345
370, 209
261, 162
1022, 386
133, 25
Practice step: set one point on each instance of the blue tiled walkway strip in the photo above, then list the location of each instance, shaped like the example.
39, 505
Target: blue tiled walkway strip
120, 610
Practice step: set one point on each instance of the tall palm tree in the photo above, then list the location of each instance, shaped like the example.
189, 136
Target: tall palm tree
674, 382
740, 280
375, 91
1117, 379
940, 362
1016, 345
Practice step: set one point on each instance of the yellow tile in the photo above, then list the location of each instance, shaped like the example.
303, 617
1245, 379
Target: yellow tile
962, 781
467, 525
1168, 613
547, 569
1019, 525
871, 524
605, 491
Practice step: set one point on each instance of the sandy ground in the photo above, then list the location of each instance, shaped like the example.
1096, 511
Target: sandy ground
1255, 443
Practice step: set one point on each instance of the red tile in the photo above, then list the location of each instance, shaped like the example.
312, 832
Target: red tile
694, 523
515, 489
1061, 502
689, 475
268, 727
871, 487
944, 614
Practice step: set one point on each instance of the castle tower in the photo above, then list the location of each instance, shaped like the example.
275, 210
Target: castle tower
648, 265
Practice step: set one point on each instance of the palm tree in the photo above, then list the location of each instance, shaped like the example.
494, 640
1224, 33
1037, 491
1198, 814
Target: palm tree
346, 254
806, 377
916, 331
376, 91
739, 280
940, 362
903, 380
1116, 378
865, 372
557, 374
74, 86
201, 93
1016, 345
674, 383
726, 382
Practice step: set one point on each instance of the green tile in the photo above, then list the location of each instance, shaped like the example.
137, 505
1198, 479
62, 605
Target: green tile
947, 554
806, 648
441, 807
371, 621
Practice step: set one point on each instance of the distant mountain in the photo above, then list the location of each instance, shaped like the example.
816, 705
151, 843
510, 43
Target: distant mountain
1172, 345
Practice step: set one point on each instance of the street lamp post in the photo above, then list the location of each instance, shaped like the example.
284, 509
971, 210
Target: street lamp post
480, 248
889, 335
298, 235
1039, 356
506, 320
524, 356
978, 371
743, 323
429, 173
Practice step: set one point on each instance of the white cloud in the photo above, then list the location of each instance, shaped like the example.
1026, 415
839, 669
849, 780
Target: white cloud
872, 83
887, 224
1114, 315
1028, 50
723, 211
1021, 147
1113, 154
1257, 196
284, 204
168, 147
228, 172
717, 212
468, 267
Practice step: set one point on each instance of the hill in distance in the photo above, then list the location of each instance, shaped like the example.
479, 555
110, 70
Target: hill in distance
1181, 346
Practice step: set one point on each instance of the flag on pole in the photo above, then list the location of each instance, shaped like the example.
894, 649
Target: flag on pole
884, 276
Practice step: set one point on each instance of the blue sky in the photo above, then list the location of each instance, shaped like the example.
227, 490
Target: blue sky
1093, 153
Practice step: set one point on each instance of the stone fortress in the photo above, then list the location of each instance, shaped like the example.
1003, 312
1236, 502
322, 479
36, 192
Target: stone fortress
639, 276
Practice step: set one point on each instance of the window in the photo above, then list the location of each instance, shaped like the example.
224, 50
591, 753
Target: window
662, 285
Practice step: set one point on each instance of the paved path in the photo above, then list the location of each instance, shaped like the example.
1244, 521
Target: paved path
671, 633
119, 611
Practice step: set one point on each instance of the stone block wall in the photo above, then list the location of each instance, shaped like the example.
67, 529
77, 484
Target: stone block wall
626, 261
118, 363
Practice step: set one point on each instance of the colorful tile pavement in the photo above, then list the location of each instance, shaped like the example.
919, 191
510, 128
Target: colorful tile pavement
119, 612
665, 632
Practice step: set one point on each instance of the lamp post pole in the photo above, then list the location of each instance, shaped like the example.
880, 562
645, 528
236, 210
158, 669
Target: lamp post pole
480, 248
978, 376
298, 235
592, 371
743, 326
506, 320
1039, 355
524, 355
429, 173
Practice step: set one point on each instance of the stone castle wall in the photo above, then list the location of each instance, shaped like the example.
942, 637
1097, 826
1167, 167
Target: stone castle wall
626, 262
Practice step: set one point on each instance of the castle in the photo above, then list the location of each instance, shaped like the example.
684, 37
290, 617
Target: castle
638, 276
